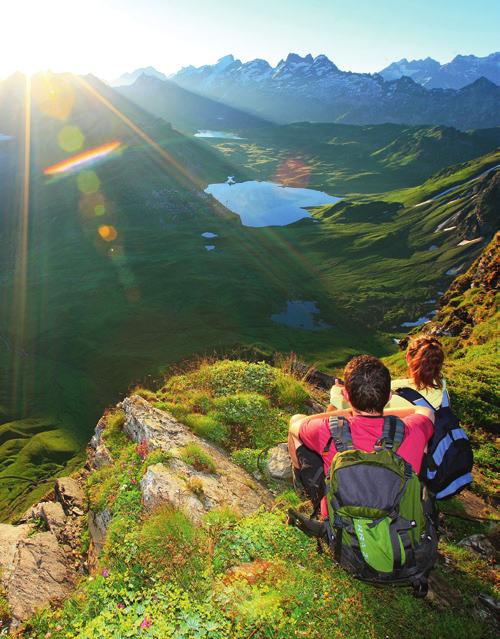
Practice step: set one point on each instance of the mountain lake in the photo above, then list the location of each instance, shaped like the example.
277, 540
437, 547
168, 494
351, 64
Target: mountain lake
267, 203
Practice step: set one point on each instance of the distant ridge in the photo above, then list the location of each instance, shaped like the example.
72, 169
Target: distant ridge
315, 89
130, 78
456, 74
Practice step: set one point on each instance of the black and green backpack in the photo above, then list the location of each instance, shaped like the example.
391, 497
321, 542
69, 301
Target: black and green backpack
380, 524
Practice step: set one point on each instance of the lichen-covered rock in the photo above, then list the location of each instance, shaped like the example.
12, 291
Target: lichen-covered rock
98, 523
160, 485
279, 464
53, 515
481, 545
193, 491
69, 495
98, 453
34, 570
144, 423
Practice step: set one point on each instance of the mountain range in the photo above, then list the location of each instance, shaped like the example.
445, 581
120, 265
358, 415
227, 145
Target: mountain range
314, 89
457, 73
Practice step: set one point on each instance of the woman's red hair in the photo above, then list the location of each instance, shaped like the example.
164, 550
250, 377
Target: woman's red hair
425, 357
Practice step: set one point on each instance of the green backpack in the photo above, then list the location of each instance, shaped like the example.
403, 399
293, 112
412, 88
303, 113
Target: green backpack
380, 523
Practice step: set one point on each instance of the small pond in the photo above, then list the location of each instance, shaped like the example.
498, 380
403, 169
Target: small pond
301, 314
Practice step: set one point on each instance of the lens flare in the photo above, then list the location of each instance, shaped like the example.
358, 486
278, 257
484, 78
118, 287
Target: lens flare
293, 172
88, 182
70, 139
83, 159
107, 232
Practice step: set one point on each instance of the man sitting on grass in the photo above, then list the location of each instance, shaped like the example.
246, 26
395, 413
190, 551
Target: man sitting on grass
367, 390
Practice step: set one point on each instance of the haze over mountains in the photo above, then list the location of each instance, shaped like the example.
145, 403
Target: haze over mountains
315, 89
462, 70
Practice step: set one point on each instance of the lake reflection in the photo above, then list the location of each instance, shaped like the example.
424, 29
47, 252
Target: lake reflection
266, 203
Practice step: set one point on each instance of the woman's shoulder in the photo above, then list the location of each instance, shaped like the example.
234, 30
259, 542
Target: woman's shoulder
402, 382
433, 395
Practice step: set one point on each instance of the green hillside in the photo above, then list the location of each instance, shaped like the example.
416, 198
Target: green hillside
106, 279
346, 159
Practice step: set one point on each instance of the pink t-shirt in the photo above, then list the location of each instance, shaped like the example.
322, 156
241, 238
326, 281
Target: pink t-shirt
315, 433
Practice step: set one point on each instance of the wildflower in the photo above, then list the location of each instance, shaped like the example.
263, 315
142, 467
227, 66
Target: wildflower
145, 623
105, 573
142, 449
120, 605
47, 635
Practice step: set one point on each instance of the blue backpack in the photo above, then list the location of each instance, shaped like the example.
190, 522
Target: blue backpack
447, 466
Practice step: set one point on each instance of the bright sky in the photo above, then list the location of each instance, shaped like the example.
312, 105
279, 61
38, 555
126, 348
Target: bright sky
109, 37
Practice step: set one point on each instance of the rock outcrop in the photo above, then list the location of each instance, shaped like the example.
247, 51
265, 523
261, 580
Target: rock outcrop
180, 484
35, 570
40, 558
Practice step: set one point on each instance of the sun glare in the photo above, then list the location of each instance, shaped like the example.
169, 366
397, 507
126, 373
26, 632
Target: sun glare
52, 35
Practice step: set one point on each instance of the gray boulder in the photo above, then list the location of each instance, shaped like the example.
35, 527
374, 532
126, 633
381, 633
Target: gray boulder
279, 464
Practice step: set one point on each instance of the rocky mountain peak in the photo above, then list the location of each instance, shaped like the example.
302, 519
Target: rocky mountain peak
294, 58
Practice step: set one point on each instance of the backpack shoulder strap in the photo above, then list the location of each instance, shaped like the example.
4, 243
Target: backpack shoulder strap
445, 401
340, 434
393, 432
413, 396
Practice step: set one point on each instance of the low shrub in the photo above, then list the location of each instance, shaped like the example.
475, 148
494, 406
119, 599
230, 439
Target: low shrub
207, 426
168, 544
113, 435
195, 456
247, 458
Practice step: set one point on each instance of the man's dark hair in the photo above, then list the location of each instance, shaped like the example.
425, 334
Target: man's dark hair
368, 383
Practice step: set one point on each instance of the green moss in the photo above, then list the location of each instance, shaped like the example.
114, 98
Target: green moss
195, 456
246, 458
260, 424
5, 612
156, 456
113, 435
145, 393
207, 426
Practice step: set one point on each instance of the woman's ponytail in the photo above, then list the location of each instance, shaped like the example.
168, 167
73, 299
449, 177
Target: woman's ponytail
425, 357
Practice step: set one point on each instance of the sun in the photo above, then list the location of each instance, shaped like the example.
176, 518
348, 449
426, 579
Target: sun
58, 35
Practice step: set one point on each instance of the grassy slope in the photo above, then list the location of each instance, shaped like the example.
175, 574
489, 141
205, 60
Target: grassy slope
238, 578
99, 319
467, 323
346, 159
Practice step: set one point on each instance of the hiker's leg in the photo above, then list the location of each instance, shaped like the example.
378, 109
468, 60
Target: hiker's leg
311, 473
293, 440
